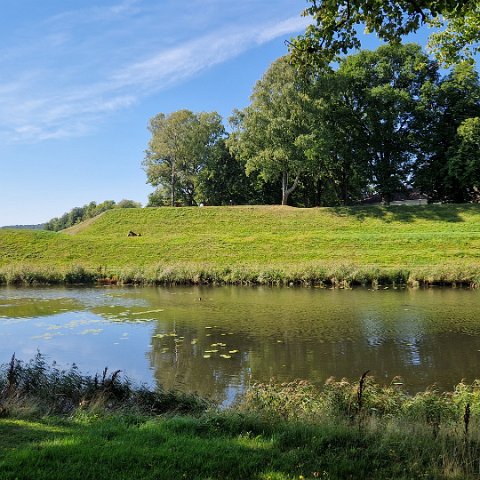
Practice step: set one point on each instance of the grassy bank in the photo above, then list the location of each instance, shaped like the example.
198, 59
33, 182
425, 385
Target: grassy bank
102, 427
224, 446
254, 245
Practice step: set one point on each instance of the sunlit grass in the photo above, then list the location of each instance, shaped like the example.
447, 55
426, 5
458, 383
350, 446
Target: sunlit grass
269, 245
220, 446
278, 431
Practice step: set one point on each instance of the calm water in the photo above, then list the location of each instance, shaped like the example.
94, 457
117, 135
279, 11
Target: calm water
216, 341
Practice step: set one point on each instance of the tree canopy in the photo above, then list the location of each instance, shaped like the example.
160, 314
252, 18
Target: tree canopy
267, 133
180, 146
336, 24
383, 124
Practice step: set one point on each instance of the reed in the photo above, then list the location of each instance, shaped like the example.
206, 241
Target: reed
81, 426
36, 388
337, 276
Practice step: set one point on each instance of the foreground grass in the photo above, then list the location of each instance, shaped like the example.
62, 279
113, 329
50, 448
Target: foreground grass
265, 245
62, 424
221, 446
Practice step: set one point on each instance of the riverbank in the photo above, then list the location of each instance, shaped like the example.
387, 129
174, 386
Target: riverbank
341, 276
225, 446
340, 247
58, 424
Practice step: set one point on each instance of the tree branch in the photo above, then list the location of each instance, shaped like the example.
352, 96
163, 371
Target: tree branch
294, 186
418, 9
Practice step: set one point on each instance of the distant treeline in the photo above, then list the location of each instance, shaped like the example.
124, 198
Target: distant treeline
39, 226
90, 210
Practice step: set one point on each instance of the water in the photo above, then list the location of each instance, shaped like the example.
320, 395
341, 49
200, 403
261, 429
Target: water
217, 341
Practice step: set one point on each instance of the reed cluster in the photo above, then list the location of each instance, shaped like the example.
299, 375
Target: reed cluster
39, 388
310, 275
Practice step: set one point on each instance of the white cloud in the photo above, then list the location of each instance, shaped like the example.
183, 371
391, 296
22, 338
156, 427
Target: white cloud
283, 28
51, 103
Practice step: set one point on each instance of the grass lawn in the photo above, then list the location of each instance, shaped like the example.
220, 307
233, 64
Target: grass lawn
216, 446
437, 242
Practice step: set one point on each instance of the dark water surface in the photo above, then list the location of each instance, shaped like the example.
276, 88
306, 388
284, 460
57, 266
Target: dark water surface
216, 341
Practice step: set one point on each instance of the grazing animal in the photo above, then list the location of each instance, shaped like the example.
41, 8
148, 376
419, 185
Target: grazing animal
133, 234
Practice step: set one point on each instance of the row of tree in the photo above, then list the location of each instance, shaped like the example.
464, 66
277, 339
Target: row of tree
381, 123
90, 210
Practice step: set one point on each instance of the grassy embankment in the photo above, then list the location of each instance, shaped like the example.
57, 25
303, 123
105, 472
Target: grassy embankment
64, 425
266, 245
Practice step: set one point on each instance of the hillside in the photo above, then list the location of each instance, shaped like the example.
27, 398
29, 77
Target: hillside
438, 240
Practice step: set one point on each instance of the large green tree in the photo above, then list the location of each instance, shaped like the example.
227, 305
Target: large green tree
179, 148
340, 173
382, 93
335, 26
449, 103
266, 133
223, 180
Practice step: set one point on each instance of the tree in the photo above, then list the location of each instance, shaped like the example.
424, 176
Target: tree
223, 181
341, 168
383, 91
460, 39
180, 145
158, 198
450, 102
465, 162
266, 132
90, 210
125, 203
334, 30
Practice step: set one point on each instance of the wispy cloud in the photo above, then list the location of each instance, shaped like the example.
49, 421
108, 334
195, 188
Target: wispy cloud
175, 64
56, 102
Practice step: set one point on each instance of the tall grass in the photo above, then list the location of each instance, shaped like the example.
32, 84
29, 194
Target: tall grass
438, 429
36, 387
309, 275
111, 430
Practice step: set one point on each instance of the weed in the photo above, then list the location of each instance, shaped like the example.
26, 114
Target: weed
46, 388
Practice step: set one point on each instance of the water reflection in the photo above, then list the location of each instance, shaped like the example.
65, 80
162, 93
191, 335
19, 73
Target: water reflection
216, 341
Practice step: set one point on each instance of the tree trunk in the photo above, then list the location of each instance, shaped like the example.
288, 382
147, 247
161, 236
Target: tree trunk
285, 190
344, 188
318, 193
172, 184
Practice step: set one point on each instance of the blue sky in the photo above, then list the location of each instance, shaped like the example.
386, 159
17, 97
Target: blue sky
79, 81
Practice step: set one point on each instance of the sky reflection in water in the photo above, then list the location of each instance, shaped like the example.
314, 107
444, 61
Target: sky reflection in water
217, 341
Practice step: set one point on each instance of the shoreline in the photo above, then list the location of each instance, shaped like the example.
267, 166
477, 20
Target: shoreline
337, 276
103, 427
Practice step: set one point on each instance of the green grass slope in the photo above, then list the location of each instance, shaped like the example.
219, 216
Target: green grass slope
235, 244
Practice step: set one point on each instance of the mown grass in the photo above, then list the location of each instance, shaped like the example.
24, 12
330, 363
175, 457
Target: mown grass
265, 245
288, 431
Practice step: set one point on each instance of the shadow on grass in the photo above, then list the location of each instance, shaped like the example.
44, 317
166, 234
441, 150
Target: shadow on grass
403, 213
17, 435
123, 448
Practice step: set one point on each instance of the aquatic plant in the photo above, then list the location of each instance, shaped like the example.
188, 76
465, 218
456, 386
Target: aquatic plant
36, 386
